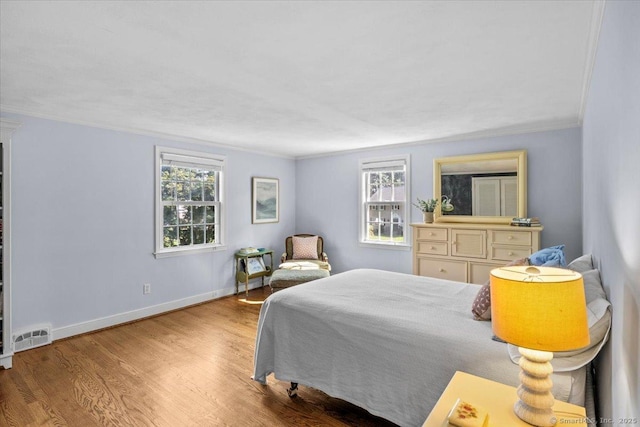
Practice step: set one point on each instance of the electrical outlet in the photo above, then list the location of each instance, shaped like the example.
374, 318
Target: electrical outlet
146, 288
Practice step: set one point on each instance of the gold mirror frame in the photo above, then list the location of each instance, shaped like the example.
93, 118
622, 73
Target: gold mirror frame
520, 156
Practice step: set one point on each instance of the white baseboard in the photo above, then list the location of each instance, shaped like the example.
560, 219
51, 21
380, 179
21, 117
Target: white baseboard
6, 360
117, 319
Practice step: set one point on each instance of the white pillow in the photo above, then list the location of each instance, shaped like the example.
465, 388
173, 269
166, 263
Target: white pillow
581, 264
598, 313
598, 318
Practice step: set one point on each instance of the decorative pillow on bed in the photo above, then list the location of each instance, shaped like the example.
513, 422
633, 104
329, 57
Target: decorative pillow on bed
305, 247
549, 257
481, 307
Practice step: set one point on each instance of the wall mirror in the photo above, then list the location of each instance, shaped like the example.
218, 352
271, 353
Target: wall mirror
481, 188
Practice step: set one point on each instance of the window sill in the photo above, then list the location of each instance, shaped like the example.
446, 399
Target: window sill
166, 253
395, 247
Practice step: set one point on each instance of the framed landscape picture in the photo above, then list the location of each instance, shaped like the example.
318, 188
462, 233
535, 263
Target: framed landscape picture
265, 203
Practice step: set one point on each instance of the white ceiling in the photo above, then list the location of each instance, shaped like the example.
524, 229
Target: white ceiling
301, 78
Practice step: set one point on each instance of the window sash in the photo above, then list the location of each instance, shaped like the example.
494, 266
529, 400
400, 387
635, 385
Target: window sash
187, 221
380, 224
377, 189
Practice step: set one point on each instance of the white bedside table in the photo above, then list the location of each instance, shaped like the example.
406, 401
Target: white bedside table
498, 400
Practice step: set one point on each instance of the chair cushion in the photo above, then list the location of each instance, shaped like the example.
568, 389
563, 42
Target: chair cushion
305, 265
305, 247
281, 279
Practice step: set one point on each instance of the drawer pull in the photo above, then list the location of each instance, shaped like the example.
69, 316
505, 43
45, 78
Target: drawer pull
442, 270
433, 248
510, 237
432, 234
511, 254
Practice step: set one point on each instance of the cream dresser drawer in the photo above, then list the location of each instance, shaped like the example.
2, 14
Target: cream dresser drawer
443, 269
432, 234
433, 248
479, 273
509, 253
511, 237
468, 252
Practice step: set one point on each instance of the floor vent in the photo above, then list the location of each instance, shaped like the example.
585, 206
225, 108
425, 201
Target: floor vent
40, 335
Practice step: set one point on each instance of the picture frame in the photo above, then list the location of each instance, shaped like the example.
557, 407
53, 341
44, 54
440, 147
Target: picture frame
265, 203
255, 265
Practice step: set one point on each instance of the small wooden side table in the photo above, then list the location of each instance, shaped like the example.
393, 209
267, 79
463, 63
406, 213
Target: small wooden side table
242, 262
498, 400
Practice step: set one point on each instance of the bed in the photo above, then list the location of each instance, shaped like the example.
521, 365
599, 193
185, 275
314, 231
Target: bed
387, 342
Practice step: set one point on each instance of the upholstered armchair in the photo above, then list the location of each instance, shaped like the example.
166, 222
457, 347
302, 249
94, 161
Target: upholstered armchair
304, 252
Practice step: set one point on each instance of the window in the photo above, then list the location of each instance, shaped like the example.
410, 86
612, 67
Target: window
384, 195
189, 201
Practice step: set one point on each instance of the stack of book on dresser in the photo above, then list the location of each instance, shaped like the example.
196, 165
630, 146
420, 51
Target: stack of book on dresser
526, 222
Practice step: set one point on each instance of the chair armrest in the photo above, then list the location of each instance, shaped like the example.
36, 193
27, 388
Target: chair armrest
283, 258
325, 258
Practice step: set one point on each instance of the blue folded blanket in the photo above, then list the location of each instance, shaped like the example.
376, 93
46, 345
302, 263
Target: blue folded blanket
549, 257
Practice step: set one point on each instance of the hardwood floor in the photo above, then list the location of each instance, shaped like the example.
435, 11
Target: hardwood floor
190, 367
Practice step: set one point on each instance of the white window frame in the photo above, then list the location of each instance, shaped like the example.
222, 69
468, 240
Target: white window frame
366, 165
189, 158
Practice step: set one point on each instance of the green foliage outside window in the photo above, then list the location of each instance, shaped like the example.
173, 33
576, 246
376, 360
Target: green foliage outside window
189, 206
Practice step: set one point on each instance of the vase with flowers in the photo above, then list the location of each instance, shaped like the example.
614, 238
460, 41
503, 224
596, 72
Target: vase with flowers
427, 207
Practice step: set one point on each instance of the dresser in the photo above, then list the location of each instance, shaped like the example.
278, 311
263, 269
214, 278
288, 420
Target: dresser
468, 252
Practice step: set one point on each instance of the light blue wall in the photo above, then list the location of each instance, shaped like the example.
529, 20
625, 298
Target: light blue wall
83, 215
328, 188
611, 173
83, 224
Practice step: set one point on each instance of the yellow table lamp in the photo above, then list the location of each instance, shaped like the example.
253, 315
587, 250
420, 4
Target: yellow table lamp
541, 310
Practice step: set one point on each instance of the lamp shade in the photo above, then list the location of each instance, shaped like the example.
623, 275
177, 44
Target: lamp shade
540, 308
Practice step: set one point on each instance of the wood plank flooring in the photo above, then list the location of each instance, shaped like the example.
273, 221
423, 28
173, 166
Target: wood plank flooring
190, 367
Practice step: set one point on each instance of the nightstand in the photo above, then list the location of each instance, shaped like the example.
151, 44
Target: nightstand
498, 400
244, 270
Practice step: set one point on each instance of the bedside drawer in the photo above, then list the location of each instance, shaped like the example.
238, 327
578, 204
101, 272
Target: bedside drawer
509, 253
432, 234
443, 269
504, 237
433, 248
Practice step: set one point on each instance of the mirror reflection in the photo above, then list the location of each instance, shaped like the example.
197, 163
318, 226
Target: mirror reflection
485, 188
488, 187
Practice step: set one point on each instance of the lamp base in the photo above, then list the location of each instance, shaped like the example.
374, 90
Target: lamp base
536, 400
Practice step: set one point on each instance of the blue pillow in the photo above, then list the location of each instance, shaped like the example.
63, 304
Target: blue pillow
549, 257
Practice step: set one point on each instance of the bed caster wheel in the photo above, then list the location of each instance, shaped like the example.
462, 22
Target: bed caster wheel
293, 390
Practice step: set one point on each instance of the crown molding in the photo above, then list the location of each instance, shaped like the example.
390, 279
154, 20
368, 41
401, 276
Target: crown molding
8, 125
136, 131
541, 126
544, 126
